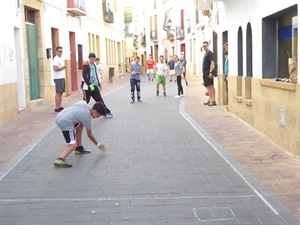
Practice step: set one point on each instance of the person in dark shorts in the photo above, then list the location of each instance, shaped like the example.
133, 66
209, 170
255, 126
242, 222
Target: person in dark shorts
208, 78
74, 118
91, 82
59, 75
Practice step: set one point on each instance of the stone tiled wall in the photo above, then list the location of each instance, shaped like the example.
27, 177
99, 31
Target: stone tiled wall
8, 101
260, 105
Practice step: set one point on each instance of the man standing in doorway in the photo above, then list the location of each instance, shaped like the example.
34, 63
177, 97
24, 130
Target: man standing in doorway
226, 69
150, 64
59, 75
208, 78
160, 72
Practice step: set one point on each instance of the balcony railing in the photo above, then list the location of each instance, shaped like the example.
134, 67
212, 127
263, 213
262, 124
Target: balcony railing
153, 35
76, 7
179, 33
108, 16
143, 40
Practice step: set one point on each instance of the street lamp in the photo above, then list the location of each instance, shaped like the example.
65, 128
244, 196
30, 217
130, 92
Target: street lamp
169, 34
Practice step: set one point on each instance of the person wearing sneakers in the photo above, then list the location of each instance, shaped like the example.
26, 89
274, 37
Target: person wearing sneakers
59, 74
178, 72
91, 82
135, 79
171, 64
76, 117
160, 72
184, 64
150, 64
208, 78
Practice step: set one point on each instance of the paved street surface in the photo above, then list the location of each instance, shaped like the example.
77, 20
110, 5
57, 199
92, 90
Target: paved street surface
160, 167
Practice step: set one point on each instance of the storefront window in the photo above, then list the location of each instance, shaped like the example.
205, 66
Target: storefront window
287, 37
279, 42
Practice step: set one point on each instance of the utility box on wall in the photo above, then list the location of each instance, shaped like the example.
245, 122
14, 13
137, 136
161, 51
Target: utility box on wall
48, 53
282, 118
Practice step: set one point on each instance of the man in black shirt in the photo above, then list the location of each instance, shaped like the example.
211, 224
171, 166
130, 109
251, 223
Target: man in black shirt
208, 78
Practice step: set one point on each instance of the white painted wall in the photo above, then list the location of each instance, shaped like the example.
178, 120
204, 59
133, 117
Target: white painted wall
9, 19
239, 13
56, 17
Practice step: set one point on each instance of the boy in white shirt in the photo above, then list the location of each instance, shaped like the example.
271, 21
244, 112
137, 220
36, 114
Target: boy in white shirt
59, 75
99, 71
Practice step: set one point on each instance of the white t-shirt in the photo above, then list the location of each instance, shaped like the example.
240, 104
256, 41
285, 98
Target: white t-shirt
99, 70
57, 61
161, 68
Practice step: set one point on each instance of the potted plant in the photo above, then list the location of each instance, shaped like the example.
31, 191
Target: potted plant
105, 16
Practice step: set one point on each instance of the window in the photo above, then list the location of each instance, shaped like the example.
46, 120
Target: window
249, 51
29, 15
240, 52
279, 36
80, 58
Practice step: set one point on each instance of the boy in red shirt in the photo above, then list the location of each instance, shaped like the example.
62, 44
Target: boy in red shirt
150, 64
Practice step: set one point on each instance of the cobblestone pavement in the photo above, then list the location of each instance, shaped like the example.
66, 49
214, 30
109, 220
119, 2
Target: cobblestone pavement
160, 167
275, 169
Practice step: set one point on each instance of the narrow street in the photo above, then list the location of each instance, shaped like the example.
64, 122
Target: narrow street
159, 167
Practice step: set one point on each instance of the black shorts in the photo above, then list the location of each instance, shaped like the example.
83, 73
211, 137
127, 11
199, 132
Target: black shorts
60, 85
208, 81
69, 136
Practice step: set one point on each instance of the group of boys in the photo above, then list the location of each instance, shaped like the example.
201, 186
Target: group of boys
157, 71
80, 114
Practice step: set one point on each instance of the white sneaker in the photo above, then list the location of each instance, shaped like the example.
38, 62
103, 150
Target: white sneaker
181, 95
177, 96
109, 115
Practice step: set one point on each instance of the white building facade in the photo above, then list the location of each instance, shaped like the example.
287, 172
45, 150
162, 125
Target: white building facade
12, 86
261, 36
32, 30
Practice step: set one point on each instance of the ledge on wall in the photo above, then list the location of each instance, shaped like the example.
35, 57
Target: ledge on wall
248, 102
278, 84
239, 99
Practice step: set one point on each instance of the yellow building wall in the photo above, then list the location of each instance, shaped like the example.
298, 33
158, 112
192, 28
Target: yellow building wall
263, 109
8, 101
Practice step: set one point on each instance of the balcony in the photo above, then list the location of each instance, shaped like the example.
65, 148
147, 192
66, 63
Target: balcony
76, 7
153, 35
179, 33
143, 40
135, 40
108, 16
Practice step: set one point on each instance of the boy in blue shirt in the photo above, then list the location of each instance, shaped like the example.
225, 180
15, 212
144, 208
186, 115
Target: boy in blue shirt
135, 79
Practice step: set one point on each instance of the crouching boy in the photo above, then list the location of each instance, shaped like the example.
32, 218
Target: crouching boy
74, 118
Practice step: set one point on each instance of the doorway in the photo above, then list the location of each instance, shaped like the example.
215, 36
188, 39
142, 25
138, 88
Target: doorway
34, 81
156, 53
182, 49
73, 66
19, 69
55, 40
